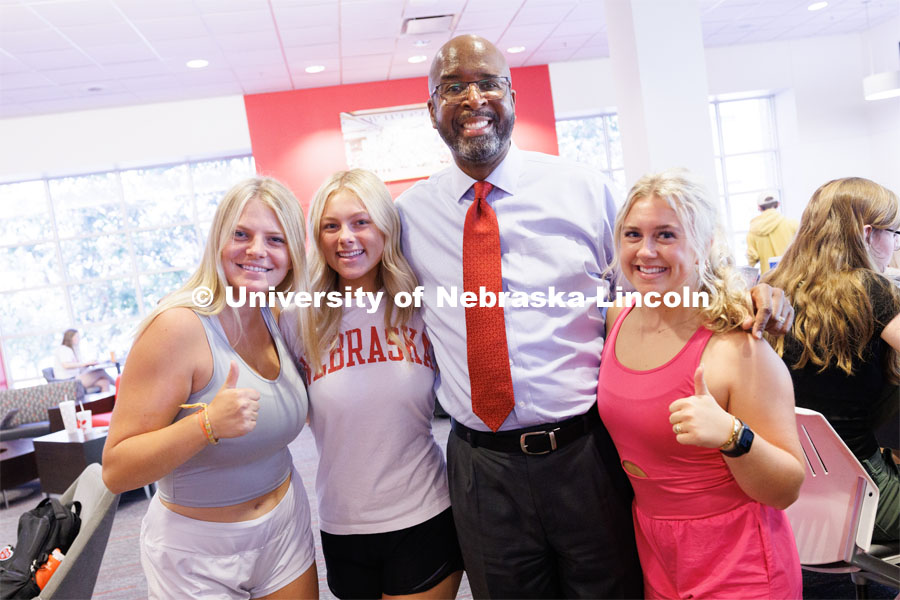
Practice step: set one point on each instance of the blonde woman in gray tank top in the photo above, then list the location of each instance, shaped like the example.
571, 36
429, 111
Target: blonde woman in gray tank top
209, 400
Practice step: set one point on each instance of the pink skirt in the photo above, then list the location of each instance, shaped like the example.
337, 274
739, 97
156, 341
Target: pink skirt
747, 552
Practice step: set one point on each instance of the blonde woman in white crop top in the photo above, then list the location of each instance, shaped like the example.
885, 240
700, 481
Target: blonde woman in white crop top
384, 504
208, 401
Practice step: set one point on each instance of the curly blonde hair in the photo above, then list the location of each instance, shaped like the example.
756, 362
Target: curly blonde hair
825, 272
394, 271
729, 302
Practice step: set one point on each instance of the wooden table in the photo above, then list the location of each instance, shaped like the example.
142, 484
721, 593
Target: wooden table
61, 460
17, 464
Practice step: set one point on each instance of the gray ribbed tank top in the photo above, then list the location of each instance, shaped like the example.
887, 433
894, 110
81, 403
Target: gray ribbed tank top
243, 468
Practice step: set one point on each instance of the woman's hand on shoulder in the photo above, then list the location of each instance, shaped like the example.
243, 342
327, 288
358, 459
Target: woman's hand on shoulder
699, 420
772, 312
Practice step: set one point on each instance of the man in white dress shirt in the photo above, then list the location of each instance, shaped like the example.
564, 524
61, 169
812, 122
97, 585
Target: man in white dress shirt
545, 514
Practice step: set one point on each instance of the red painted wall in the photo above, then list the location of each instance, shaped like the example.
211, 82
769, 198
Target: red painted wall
296, 135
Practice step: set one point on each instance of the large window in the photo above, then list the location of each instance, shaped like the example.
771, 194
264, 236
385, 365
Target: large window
746, 151
96, 252
594, 141
747, 162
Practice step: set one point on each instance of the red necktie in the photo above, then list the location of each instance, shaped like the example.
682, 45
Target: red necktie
489, 376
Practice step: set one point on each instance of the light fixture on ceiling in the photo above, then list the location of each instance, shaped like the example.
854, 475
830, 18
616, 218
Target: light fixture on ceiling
430, 24
879, 86
419, 58
515, 49
197, 63
421, 43
816, 6
315, 69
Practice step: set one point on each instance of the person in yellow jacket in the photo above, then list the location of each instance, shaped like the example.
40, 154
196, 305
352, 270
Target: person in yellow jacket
770, 232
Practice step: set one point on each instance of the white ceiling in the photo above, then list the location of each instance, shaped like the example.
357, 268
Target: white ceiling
63, 55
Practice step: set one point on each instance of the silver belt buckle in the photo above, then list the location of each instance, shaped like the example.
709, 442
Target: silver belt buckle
524, 445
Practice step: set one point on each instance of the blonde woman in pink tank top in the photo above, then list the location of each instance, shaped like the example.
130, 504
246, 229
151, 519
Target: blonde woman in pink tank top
701, 412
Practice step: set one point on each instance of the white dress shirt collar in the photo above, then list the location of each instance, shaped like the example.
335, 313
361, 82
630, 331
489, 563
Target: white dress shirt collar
505, 176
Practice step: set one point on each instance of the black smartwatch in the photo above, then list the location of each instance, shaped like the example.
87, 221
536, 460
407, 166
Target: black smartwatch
742, 444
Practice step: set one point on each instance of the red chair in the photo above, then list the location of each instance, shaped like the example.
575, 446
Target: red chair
103, 419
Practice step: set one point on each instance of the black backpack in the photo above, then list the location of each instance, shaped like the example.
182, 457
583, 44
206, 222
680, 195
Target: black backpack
47, 526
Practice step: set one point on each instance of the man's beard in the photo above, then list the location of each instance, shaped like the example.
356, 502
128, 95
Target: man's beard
482, 148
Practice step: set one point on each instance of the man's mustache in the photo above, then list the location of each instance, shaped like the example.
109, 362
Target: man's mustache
487, 114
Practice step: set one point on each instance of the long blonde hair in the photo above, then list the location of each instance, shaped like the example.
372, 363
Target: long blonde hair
211, 275
394, 272
825, 272
729, 302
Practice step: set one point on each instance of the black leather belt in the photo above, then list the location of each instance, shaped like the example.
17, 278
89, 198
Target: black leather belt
540, 439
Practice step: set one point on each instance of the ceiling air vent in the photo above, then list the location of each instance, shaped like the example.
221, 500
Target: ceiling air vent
433, 24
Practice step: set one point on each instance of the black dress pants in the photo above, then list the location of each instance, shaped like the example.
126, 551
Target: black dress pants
550, 526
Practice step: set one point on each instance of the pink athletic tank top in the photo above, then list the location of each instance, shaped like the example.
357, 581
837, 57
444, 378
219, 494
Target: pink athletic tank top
634, 406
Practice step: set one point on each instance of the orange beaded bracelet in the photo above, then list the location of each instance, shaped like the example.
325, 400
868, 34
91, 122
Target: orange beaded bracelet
203, 418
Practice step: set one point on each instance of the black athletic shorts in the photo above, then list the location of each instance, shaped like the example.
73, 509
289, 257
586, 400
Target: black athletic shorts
396, 563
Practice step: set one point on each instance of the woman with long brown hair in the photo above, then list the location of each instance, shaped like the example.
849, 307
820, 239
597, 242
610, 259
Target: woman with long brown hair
843, 348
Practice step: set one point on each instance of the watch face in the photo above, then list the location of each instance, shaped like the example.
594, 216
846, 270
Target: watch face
745, 440
742, 445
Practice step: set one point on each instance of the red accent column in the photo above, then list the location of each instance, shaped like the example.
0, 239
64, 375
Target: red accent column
3, 384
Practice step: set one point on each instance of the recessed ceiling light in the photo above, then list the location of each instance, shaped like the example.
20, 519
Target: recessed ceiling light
419, 58
315, 69
516, 49
421, 43
816, 6
197, 63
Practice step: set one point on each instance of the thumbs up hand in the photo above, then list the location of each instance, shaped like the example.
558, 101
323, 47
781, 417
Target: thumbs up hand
233, 411
698, 420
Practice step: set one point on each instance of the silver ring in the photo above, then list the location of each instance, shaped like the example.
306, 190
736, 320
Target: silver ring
780, 320
677, 428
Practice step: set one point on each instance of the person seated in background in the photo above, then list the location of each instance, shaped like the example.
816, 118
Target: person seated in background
770, 232
701, 412
68, 364
844, 348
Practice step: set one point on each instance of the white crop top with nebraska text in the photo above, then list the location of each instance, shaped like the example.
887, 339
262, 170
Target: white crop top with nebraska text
380, 468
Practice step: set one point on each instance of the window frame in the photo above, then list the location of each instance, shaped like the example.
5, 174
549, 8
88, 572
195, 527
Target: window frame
721, 160
609, 171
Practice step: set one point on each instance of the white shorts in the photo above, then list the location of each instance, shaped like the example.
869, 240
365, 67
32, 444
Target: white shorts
188, 558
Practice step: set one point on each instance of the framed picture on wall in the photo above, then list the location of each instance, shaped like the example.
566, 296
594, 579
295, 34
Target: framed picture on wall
395, 143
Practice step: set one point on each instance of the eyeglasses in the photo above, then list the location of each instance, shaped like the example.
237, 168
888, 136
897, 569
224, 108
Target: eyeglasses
454, 92
896, 237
